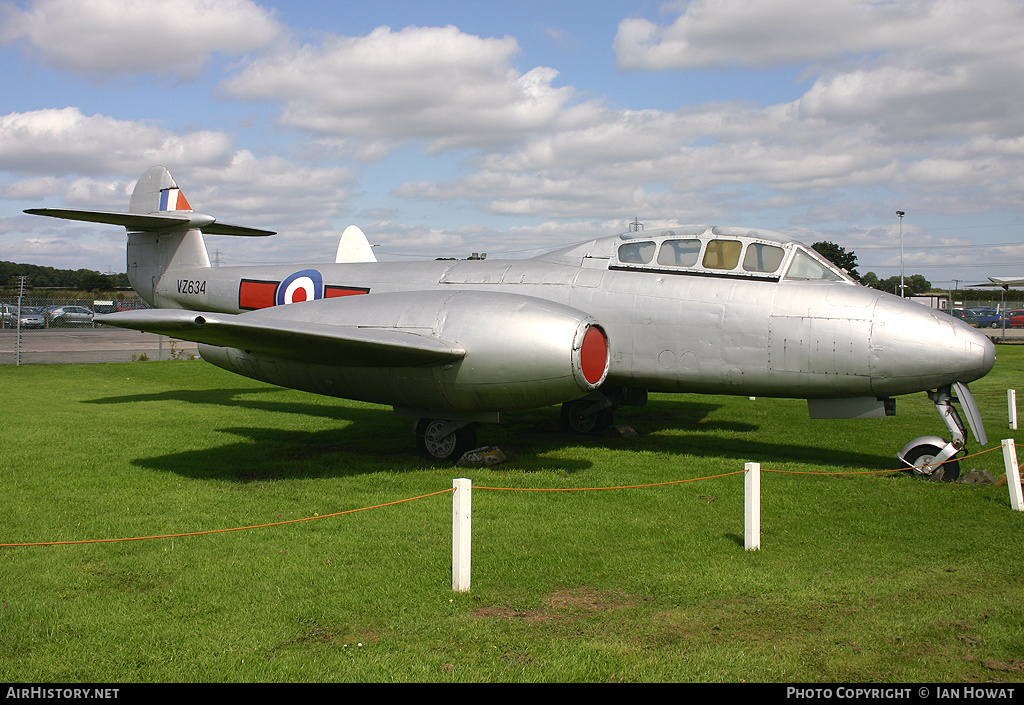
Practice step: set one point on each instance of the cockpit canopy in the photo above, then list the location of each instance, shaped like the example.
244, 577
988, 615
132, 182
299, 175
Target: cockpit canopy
743, 253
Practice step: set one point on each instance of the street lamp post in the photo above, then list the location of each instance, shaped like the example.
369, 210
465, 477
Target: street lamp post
903, 291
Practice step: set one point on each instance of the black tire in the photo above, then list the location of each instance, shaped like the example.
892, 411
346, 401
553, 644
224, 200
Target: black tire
576, 420
444, 449
922, 455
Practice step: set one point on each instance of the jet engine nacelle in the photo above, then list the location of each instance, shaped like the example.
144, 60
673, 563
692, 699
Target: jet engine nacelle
508, 352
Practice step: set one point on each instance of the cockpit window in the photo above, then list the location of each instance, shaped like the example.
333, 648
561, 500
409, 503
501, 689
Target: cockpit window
636, 252
679, 253
762, 258
807, 267
722, 254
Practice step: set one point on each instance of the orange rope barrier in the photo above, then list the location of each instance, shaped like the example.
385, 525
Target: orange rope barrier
223, 531
880, 472
594, 489
449, 490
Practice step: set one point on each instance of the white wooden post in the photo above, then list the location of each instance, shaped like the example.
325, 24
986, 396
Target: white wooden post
1012, 474
1011, 403
462, 511
752, 506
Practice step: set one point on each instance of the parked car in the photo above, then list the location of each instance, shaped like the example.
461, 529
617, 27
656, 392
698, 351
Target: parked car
987, 317
965, 315
7, 315
31, 317
1015, 319
60, 316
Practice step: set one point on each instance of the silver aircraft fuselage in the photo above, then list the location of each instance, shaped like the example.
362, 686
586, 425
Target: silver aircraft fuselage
700, 309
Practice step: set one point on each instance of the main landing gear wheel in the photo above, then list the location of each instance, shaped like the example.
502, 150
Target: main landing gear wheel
922, 458
444, 441
577, 417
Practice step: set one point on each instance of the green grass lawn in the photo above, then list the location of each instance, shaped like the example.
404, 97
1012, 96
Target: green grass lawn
860, 577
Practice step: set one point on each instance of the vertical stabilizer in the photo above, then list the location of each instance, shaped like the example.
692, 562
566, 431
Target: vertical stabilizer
354, 247
152, 253
149, 191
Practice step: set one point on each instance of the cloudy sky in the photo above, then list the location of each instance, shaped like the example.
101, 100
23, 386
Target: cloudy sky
444, 128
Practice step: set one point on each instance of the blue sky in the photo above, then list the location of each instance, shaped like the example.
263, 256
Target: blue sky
511, 128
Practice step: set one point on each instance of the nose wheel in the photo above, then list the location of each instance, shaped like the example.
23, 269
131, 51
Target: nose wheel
931, 457
924, 464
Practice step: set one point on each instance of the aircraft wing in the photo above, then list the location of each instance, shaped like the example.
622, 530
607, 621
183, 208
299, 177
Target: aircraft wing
296, 340
1004, 281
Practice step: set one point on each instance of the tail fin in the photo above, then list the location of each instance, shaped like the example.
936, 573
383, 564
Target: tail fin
354, 247
156, 191
163, 231
151, 254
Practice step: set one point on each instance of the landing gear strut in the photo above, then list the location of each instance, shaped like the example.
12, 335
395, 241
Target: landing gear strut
931, 457
587, 416
595, 412
445, 441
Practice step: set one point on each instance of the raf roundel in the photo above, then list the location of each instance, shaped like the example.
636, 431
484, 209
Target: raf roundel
306, 285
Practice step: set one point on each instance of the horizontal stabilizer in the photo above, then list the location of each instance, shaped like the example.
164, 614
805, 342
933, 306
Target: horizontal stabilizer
1000, 281
307, 342
153, 221
238, 230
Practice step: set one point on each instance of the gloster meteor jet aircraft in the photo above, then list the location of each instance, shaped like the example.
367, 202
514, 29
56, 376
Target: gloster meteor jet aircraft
699, 309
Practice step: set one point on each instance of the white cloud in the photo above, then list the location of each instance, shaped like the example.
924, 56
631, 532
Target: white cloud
60, 244
918, 103
910, 97
272, 191
914, 69
726, 33
431, 83
31, 189
235, 186
131, 36
65, 141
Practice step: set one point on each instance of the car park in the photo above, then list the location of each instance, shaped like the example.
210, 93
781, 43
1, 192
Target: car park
64, 316
987, 317
31, 316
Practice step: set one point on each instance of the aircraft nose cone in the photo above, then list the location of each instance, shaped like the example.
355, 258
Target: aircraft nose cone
914, 347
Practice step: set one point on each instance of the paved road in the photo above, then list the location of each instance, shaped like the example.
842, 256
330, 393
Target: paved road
103, 344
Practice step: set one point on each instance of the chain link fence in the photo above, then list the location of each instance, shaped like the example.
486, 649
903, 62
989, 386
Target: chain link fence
49, 330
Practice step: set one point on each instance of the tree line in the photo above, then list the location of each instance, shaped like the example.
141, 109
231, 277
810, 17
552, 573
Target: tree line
39, 277
915, 284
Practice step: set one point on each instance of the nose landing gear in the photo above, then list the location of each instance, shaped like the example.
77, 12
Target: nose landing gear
931, 457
